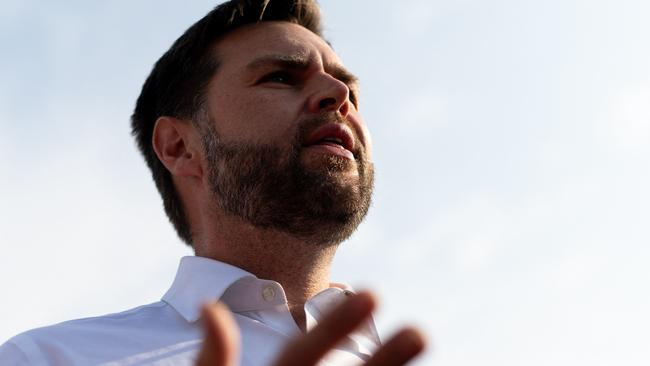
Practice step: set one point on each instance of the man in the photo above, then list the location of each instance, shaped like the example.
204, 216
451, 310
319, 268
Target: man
251, 128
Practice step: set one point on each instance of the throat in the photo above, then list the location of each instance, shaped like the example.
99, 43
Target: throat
302, 268
298, 313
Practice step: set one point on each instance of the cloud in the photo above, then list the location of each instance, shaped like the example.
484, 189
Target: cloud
415, 17
629, 119
421, 112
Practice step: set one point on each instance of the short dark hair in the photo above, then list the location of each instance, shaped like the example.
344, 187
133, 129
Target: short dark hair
176, 85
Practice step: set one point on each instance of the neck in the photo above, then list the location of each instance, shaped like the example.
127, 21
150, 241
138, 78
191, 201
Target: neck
301, 267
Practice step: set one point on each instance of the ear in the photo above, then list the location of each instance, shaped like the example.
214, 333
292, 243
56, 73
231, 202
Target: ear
177, 146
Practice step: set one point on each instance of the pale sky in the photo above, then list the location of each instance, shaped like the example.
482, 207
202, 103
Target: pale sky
512, 148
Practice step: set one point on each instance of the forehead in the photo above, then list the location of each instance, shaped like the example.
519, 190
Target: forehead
273, 38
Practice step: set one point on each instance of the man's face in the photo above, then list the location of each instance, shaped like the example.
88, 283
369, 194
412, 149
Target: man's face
286, 147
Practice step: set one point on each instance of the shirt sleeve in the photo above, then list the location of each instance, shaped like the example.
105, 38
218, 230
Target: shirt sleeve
11, 354
22, 350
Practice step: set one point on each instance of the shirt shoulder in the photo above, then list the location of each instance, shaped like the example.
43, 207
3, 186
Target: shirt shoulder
100, 339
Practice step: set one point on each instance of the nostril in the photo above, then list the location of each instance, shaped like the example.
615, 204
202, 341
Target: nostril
327, 102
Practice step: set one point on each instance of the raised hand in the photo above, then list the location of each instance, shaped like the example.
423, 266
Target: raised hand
221, 344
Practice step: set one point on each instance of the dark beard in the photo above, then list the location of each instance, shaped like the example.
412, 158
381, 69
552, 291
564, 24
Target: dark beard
269, 188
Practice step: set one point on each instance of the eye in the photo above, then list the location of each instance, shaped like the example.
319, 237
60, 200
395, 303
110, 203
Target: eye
354, 98
281, 77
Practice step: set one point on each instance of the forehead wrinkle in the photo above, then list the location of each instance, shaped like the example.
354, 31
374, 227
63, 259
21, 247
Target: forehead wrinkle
297, 60
302, 61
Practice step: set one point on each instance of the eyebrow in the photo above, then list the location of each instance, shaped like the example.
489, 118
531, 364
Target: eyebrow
300, 62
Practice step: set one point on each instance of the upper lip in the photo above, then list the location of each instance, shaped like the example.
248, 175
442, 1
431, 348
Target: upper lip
334, 131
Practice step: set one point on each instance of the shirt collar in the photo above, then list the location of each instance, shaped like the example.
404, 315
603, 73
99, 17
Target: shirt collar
200, 280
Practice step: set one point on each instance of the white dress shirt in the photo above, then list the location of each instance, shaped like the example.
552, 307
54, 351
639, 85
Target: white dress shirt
168, 332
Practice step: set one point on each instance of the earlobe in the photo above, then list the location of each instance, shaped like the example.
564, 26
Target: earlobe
173, 143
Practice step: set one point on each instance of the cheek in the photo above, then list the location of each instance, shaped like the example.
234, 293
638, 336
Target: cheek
364, 133
255, 119
368, 144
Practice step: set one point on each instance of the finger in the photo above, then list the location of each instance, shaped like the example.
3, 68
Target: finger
221, 339
311, 347
400, 349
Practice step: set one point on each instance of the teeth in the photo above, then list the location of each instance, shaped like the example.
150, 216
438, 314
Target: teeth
334, 140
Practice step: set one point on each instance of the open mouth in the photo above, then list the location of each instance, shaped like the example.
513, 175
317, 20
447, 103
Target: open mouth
335, 138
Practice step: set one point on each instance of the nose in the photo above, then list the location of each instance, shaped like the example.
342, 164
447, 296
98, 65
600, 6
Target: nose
330, 95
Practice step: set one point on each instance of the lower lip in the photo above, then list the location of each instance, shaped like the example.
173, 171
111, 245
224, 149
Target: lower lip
332, 150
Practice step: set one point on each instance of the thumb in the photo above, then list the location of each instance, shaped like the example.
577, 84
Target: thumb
221, 337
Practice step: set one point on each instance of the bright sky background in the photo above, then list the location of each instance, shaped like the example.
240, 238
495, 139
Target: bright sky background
512, 146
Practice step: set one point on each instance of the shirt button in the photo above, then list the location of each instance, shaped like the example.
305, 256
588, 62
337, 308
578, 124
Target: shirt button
268, 293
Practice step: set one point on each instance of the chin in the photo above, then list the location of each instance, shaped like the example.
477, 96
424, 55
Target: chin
331, 165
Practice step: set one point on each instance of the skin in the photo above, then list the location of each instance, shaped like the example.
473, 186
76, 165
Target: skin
253, 98
221, 345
